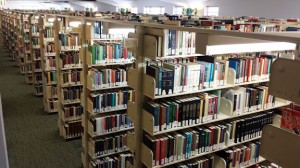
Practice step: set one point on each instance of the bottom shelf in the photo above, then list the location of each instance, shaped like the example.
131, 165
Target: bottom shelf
260, 159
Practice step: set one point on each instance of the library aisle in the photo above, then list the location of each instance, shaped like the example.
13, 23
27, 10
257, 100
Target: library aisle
31, 134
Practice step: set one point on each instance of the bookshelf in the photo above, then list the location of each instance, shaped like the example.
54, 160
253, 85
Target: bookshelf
49, 71
27, 50
149, 89
106, 81
68, 41
36, 61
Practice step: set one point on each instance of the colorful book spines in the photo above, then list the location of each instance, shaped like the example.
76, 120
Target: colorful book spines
109, 53
111, 123
108, 78
72, 94
111, 101
71, 77
70, 59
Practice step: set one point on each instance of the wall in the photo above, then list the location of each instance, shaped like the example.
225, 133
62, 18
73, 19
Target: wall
142, 3
262, 8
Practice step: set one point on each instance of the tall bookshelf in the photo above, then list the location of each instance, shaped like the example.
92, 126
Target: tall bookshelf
147, 120
27, 49
109, 88
21, 54
49, 71
68, 41
36, 61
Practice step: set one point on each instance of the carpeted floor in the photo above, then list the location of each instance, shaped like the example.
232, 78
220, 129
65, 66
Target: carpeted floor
32, 136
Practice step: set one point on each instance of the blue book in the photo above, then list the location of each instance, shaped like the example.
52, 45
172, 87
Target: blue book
154, 109
234, 65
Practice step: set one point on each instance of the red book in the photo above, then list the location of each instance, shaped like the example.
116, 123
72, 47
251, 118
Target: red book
212, 129
157, 152
125, 53
290, 120
162, 151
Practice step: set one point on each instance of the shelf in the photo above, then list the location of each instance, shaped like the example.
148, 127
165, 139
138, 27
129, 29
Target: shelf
260, 159
70, 118
148, 119
151, 84
70, 85
105, 155
148, 155
110, 64
67, 102
50, 54
90, 109
70, 68
108, 88
108, 133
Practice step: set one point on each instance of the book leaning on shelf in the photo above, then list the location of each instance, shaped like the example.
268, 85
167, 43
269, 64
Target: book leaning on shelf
184, 144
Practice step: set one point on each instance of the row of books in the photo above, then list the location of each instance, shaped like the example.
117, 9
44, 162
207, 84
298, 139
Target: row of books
190, 142
175, 42
36, 54
110, 123
37, 65
51, 77
73, 129
110, 145
27, 46
72, 93
71, 77
248, 99
73, 111
38, 77
28, 67
50, 63
183, 111
36, 41
26, 38
38, 88
70, 59
107, 78
52, 104
290, 119
51, 92
241, 155
172, 78
251, 68
50, 47
34, 29
113, 162
48, 32
70, 41
111, 101
109, 52
207, 161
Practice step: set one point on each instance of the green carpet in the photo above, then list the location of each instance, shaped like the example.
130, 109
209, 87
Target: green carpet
32, 136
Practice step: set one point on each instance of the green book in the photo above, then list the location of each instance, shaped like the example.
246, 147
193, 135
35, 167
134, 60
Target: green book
92, 49
100, 51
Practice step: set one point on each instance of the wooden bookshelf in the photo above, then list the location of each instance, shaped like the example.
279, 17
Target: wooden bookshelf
93, 38
69, 66
49, 72
27, 49
35, 47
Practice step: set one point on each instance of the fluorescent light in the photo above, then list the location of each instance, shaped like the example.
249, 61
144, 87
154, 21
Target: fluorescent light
36, 17
252, 47
74, 24
88, 23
